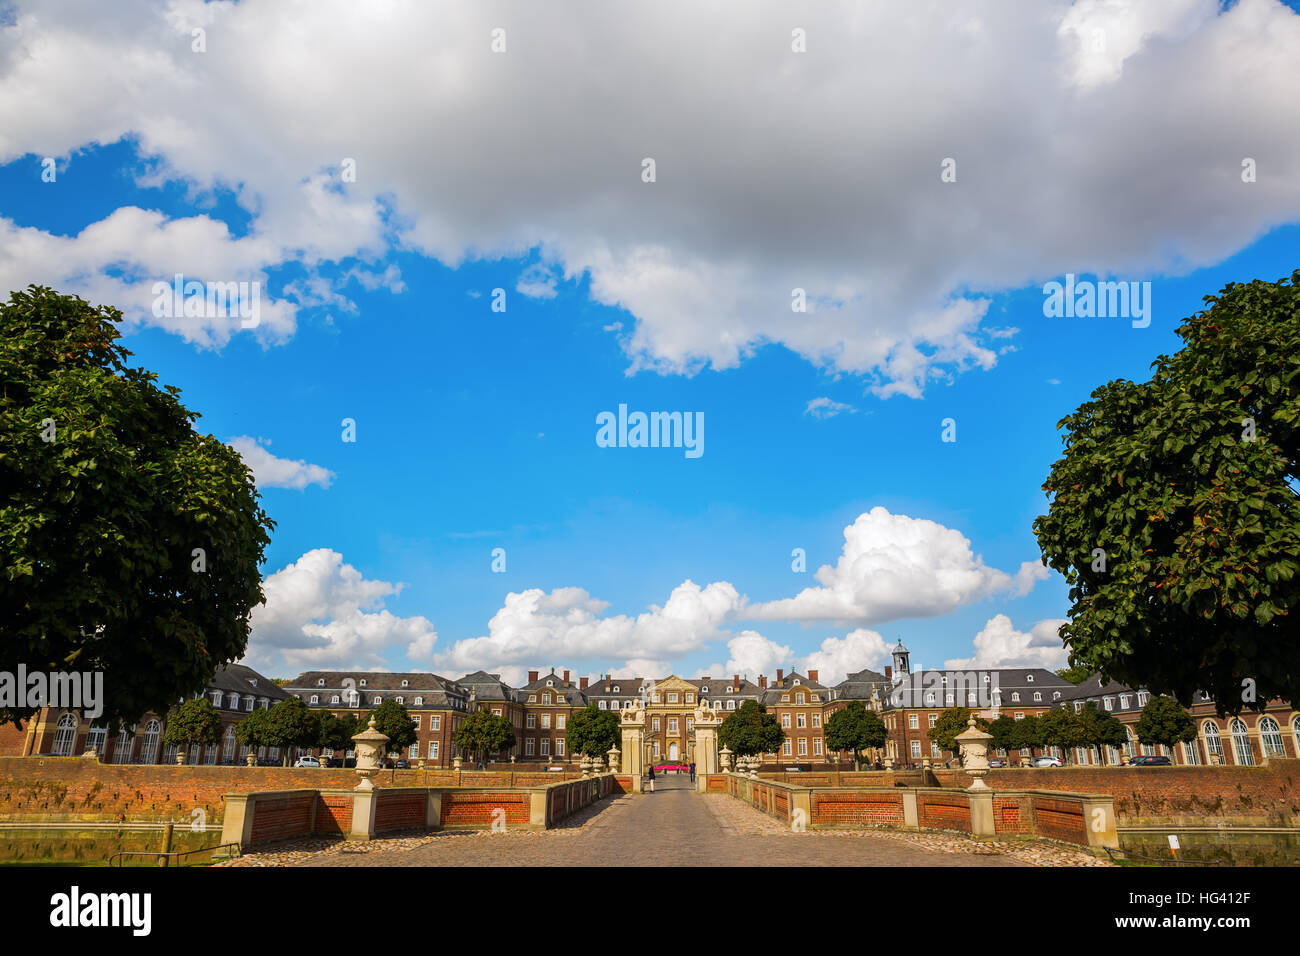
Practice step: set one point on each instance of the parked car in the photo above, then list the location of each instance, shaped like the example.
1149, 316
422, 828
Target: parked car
403, 765
307, 761
997, 763
1048, 762
1152, 761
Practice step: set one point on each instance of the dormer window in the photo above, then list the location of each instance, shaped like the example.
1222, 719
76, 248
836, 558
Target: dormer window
550, 683
986, 678
401, 700
1056, 695
796, 682
320, 682
704, 690
315, 699
1015, 696
334, 699
1029, 678
406, 683
419, 702
944, 680
363, 683
616, 688
1038, 695
376, 699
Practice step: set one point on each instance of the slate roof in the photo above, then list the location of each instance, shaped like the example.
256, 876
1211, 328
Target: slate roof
242, 680
437, 692
858, 686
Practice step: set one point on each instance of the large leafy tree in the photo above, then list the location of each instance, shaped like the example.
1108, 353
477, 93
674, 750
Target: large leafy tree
1099, 729
289, 724
1061, 727
336, 732
1173, 511
1075, 674
392, 719
855, 729
129, 542
592, 731
1006, 733
1164, 722
751, 730
484, 732
195, 723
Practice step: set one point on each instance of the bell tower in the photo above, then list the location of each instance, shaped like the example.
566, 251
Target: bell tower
901, 665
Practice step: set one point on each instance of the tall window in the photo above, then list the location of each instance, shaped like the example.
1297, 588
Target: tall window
228, 752
546, 746
65, 736
1128, 744
97, 739
785, 748
1270, 734
785, 721
1241, 743
1295, 732
149, 750
1213, 746
122, 752
559, 746
1191, 754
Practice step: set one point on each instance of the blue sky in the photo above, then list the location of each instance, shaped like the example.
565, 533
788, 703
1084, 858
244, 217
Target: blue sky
475, 429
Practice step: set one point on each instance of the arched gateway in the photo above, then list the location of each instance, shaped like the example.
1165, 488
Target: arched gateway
669, 725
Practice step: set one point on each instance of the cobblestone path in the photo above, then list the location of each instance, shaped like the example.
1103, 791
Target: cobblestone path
672, 827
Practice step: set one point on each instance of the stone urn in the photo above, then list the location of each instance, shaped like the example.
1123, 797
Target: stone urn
180, 757
512, 758
455, 763
369, 748
889, 763
585, 765
251, 759
974, 747
724, 758
614, 756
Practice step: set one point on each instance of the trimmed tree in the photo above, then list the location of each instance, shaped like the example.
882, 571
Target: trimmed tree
1100, 729
483, 732
855, 729
1006, 734
255, 730
195, 723
1164, 722
1060, 727
950, 723
1173, 511
336, 732
291, 723
392, 719
592, 731
1028, 735
751, 731
130, 543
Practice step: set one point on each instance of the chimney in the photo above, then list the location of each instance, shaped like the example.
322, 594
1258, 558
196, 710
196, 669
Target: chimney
532, 676
582, 683
566, 677
762, 682
735, 679
812, 676
889, 672
780, 675
706, 677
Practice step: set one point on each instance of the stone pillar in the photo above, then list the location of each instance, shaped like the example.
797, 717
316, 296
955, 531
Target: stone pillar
632, 723
707, 723
981, 811
1099, 821
364, 805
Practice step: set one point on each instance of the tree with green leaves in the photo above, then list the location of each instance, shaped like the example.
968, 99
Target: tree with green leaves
336, 732
1173, 511
751, 731
592, 731
483, 733
392, 719
255, 730
129, 542
1006, 733
855, 729
1028, 735
289, 724
1100, 729
194, 724
950, 723
1075, 675
1164, 722
1060, 727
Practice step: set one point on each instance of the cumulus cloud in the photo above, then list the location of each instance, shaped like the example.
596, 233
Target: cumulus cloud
840, 656
568, 624
1115, 149
272, 472
999, 644
894, 566
751, 654
321, 613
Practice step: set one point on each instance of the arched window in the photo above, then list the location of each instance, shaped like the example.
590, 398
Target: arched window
97, 740
65, 736
1270, 734
1213, 746
234, 702
149, 749
1241, 751
1295, 732
122, 752
228, 751
1191, 755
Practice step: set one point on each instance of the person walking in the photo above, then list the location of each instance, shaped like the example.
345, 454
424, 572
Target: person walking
692, 771
652, 779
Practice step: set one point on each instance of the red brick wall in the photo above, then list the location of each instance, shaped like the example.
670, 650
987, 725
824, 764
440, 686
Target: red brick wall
1269, 793
1059, 819
334, 814
398, 810
474, 808
865, 809
1011, 815
943, 812
282, 818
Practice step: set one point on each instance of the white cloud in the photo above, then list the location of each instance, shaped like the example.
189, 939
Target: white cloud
323, 614
1054, 152
566, 624
538, 281
840, 656
751, 654
826, 408
272, 472
999, 644
892, 567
